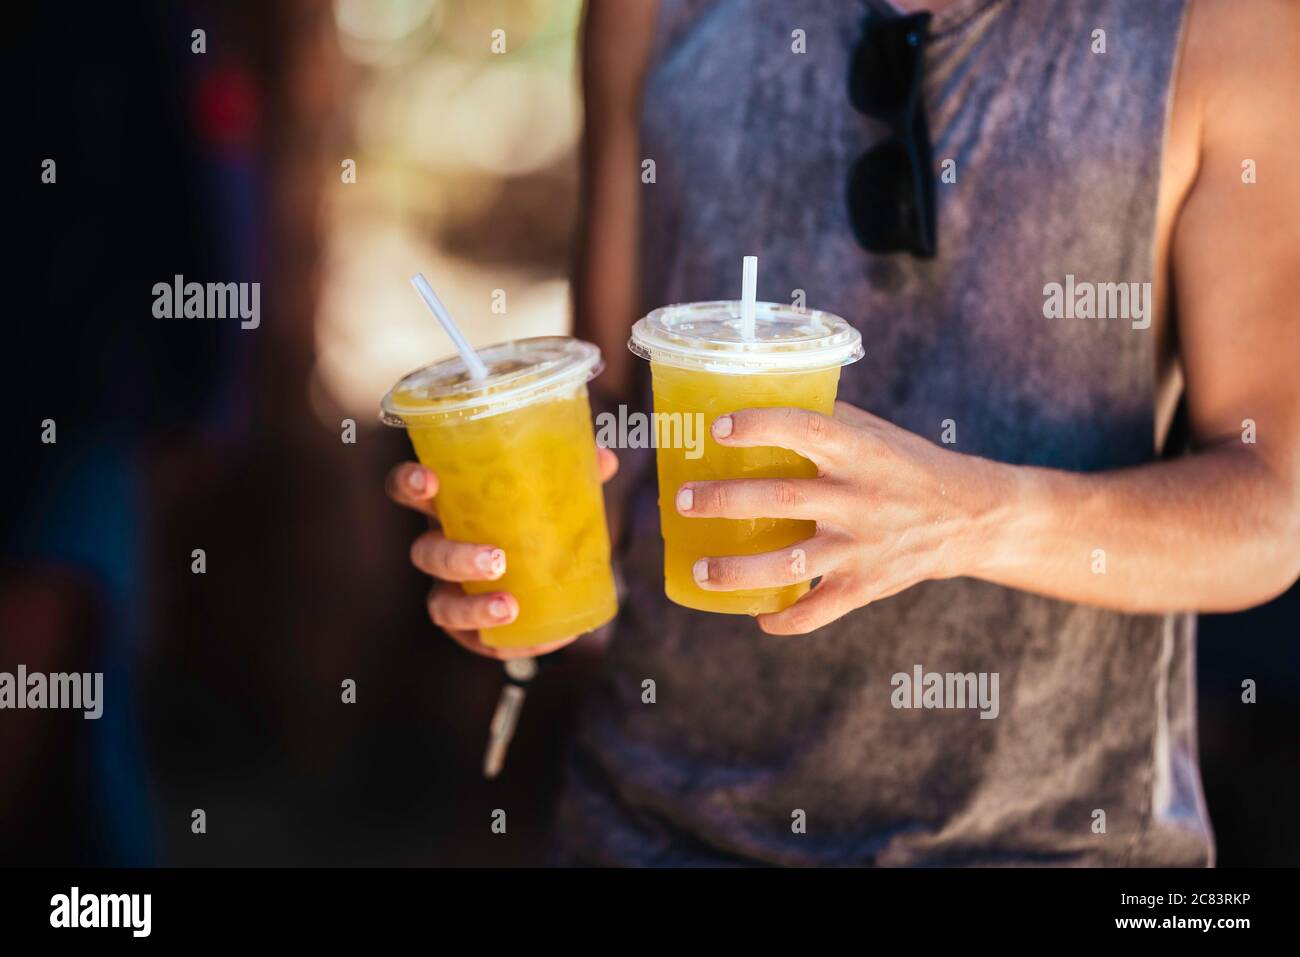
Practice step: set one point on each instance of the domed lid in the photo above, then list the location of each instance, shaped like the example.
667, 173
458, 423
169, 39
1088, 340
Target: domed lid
707, 336
519, 373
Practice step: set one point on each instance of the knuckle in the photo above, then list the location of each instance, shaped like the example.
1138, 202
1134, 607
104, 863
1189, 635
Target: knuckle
723, 571
434, 605
814, 425
874, 444
783, 420
786, 494
717, 498
428, 555
798, 620
796, 566
743, 421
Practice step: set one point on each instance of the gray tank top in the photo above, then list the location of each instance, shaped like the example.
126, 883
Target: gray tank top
1092, 756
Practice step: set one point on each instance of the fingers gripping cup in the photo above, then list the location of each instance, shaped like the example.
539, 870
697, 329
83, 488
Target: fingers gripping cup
705, 358
515, 457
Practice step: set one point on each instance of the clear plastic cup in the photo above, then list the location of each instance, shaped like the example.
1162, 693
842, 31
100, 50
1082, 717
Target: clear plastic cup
515, 457
701, 363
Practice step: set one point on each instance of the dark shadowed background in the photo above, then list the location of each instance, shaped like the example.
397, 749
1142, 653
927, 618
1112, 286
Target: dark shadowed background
223, 690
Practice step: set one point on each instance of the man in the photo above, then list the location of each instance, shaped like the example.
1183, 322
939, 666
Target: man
1032, 481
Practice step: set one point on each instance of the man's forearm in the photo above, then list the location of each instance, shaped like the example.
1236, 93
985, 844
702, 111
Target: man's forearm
1216, 531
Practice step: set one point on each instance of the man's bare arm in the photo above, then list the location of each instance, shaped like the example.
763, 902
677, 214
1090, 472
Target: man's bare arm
1219, 530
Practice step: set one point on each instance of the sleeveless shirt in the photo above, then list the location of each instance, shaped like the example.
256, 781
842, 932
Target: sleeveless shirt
789, 750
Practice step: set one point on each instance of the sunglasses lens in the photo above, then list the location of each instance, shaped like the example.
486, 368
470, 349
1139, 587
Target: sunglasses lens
882, 200
884, 64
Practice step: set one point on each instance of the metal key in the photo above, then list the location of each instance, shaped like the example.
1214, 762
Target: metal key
519, 672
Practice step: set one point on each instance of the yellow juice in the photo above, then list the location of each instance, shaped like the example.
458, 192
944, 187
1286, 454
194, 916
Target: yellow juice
686, 540
526, 481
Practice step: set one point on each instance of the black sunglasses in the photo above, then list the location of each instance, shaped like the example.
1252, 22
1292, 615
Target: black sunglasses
891, 187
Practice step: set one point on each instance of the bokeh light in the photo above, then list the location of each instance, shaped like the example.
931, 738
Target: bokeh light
466, 161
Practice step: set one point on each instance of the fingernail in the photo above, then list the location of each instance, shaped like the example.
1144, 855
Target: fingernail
491, 561
685, 499
700, 572
798, 562
416, 480
498, 608
722, 427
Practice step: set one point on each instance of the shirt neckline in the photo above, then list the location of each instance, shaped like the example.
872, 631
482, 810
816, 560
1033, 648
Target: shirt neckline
952, 18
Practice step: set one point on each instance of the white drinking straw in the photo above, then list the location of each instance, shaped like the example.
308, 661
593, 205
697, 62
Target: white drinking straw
748, 292
477, 370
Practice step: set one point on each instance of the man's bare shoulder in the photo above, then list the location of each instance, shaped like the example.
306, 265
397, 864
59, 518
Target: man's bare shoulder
1241, 64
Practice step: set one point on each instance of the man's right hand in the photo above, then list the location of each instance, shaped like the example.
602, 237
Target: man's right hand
460, 615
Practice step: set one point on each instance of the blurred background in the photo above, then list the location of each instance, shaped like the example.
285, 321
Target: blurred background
174, 435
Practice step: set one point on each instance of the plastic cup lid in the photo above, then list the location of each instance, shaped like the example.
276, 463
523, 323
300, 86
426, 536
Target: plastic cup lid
706, 336
519, 373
